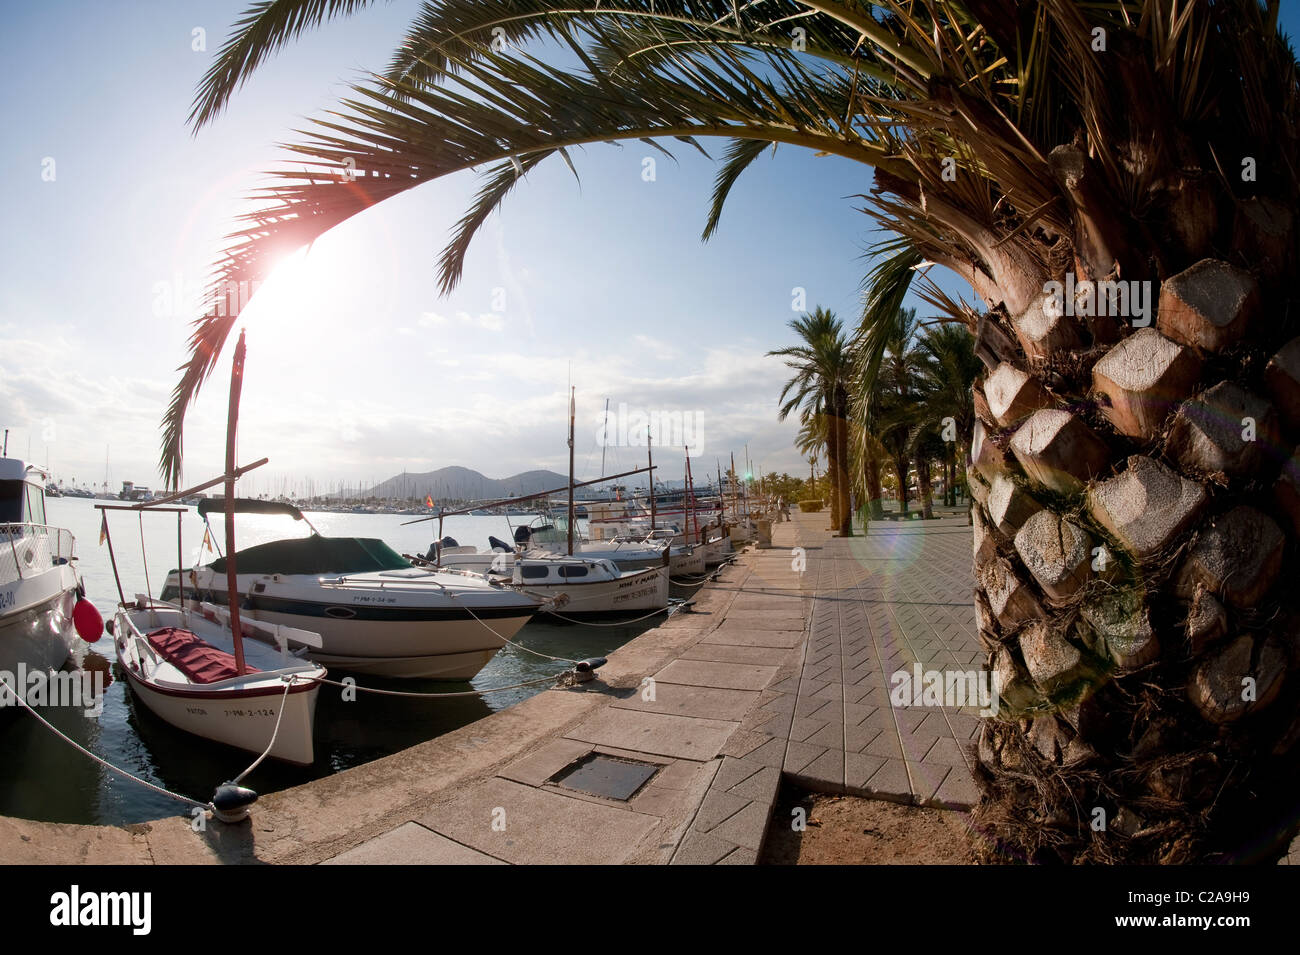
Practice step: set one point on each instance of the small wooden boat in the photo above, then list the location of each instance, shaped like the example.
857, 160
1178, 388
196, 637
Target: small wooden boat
181, 663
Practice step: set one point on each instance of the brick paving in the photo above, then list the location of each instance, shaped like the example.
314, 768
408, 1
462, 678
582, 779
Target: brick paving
898, 596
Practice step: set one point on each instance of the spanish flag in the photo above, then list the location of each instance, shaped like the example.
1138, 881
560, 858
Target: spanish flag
428, 501
103, 527
207, 540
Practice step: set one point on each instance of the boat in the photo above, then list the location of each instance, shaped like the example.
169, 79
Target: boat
189, 662
181, 663
577, 586
375, 611
39, 585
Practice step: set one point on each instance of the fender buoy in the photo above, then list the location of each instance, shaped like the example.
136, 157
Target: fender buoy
89, 624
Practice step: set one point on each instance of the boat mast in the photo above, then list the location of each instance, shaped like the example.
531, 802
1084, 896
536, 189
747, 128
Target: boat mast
605, 443
572, 415
232, 421
650, 462
690, 497
735, 510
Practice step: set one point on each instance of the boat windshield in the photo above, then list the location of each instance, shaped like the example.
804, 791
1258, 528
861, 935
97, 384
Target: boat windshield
316, 555
11, 502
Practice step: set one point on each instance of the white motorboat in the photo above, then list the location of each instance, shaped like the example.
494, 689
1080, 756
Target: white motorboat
374, 611
181, 664
578, 586
39, 586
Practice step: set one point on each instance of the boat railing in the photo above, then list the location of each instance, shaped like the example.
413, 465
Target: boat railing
27, 550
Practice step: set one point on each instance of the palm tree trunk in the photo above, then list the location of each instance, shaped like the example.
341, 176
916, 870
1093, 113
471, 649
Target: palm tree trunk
874, 491
901, 467
846, 504
833, 469
924, 486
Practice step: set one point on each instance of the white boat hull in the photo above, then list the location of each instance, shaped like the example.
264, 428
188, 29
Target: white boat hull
245, 722
633, 593
37, 597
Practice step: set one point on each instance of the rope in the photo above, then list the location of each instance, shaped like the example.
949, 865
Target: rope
274, 733
518, 646
411, 693
107, 765
616, 623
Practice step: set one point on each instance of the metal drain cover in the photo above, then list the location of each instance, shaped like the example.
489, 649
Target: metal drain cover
606, 776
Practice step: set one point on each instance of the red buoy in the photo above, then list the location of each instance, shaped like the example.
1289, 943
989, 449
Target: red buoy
89, 624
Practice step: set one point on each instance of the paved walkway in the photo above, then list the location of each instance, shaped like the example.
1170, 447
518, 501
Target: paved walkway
883, 602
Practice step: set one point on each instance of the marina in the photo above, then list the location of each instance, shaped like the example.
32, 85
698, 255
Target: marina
887, 453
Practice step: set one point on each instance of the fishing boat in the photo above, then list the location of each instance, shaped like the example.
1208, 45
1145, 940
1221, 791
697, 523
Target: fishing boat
181, 662
39, 586
375, 611
577, 586
189, 662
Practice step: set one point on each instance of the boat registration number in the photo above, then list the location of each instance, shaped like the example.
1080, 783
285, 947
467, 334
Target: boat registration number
6, 599
258, 712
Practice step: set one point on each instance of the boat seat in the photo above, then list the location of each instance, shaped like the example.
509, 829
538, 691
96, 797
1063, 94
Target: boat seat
193, 656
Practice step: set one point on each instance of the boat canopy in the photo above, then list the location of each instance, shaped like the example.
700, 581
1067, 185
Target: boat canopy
247, 505
316, 555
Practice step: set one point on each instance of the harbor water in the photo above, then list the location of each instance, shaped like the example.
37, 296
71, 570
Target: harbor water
48, 780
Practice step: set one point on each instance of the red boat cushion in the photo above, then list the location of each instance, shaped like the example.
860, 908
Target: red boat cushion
198, 660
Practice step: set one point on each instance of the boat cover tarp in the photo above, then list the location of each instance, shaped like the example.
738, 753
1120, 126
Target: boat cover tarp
316, 555
197, 659
247, 505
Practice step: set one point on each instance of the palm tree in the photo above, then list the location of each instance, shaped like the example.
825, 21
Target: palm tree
819, 390
1030, 148
889, 395
947, 372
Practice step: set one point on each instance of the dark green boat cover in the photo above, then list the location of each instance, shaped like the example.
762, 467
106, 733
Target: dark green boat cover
316, 555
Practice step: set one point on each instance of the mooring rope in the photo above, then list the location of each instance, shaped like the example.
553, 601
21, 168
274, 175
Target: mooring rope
103, 762
274, 733
412, 694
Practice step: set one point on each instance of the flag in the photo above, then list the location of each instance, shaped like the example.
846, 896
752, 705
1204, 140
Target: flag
103, 527
207, 540
428, 501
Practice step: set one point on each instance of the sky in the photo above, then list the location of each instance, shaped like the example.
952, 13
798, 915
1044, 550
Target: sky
357, 368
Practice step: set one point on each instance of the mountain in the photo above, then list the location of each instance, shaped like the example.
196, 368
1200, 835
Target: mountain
456, 483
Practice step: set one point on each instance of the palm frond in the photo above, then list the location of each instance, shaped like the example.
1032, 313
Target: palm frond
263, 29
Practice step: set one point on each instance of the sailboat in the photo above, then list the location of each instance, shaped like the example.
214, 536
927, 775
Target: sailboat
188, 661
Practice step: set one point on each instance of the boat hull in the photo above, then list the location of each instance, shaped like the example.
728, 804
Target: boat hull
244, 721
464, 646
36, 629
408, 636
632, 594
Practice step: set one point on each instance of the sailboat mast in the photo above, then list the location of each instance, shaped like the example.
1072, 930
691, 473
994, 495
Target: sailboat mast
735, 512
650, 462
605, 443
232, 421
690, 496
572, 415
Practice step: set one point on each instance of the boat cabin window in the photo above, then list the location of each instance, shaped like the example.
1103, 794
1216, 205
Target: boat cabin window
534, 572
573, 570
35, 504
11, 501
